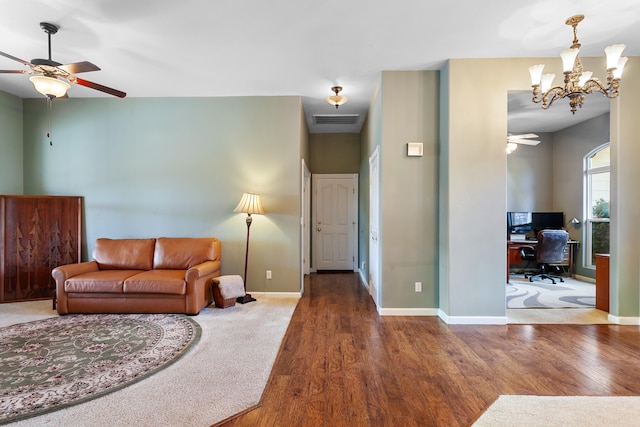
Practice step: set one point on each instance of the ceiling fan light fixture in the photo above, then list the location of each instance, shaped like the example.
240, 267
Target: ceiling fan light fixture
337, 99
50, 87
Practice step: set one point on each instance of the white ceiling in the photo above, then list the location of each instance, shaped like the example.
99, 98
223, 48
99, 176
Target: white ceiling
192, 48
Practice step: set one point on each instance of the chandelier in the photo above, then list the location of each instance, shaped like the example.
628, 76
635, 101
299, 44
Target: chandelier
577, 83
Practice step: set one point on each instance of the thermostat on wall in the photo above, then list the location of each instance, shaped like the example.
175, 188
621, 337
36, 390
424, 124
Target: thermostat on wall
414, 149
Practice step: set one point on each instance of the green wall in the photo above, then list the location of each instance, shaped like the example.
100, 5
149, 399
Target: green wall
408, 189
177, 167
570, 145
11, 180
530, 176
334, 152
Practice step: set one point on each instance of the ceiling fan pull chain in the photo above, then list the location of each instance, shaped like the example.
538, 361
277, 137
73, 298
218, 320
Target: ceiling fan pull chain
50, 105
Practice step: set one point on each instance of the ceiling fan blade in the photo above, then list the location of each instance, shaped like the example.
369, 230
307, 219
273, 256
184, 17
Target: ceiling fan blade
22, 61
99, 87
526, 142
79, 67
523, 136
15, 71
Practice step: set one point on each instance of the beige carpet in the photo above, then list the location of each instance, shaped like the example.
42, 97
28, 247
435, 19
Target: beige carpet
565, 411
572, 316
225, 373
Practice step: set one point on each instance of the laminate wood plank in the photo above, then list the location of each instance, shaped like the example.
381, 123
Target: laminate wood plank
341, 364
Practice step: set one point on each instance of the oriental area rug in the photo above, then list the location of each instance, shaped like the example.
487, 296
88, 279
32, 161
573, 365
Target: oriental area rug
49, 364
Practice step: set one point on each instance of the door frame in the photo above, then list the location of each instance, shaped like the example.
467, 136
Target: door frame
374, 227
305, 218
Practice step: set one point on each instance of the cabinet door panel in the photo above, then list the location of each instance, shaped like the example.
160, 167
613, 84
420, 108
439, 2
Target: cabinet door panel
39, 233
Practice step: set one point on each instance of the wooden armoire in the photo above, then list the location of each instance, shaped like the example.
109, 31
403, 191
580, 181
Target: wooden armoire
38, 234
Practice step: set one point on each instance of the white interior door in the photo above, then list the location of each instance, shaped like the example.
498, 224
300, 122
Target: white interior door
374, 223
335, 221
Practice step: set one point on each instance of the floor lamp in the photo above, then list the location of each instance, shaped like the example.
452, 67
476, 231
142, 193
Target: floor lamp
249, 204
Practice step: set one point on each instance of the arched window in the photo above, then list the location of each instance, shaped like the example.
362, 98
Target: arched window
597, 189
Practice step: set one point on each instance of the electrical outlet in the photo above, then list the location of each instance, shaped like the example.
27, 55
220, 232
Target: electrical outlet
418, 286
364, 265
268, 274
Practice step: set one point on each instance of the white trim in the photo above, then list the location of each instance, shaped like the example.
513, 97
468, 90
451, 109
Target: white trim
618, 320
407, 311
363, 279
277, 294
472, 320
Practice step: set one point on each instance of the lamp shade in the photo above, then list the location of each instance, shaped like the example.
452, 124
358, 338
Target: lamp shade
249, 204
50, 86
337, 100
568, 59
535, 71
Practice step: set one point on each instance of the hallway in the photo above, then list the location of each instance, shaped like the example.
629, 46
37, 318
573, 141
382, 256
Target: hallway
341, 364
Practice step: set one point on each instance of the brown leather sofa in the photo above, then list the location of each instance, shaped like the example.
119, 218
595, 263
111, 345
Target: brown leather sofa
164, 275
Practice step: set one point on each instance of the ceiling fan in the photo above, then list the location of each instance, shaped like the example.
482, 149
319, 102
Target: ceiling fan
524, 139
50, 77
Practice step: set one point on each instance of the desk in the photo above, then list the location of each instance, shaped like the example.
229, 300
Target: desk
513, 253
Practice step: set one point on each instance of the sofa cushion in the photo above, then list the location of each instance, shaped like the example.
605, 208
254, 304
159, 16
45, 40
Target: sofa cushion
157, 282
175, 253
124, 254
110, 281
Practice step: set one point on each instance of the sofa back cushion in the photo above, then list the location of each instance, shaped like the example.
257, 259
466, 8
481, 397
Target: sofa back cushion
182, 253
124, 254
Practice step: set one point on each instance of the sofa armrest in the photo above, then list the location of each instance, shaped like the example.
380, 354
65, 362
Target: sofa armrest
64, 272
201, 270
198, 280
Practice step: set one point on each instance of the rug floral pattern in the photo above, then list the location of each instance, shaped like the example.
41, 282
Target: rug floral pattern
53, 363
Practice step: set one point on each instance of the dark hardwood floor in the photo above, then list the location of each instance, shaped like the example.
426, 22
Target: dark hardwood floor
341, 364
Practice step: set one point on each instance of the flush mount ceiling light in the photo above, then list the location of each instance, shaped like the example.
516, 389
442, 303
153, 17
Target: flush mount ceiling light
337, 99
577, 83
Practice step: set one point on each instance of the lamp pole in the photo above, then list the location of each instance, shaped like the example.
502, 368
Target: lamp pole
247, 297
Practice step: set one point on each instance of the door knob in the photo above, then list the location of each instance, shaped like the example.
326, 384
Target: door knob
319, 229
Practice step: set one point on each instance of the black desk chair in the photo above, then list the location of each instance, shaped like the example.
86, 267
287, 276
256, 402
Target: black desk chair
548, 251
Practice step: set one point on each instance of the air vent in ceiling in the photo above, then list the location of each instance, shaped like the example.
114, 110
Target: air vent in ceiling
336, 119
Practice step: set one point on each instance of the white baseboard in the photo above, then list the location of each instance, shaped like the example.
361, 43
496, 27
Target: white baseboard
363, 279
584, 278
277, 294
407, 311
472, 320
619, 320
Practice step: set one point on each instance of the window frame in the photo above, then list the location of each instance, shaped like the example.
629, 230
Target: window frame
589, 219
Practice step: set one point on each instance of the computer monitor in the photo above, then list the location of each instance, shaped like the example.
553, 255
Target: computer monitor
547, 220
519, 222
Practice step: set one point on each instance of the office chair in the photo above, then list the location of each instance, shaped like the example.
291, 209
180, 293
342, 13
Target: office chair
548, 251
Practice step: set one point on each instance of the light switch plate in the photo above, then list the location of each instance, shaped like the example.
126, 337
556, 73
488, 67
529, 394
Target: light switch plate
414, 149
